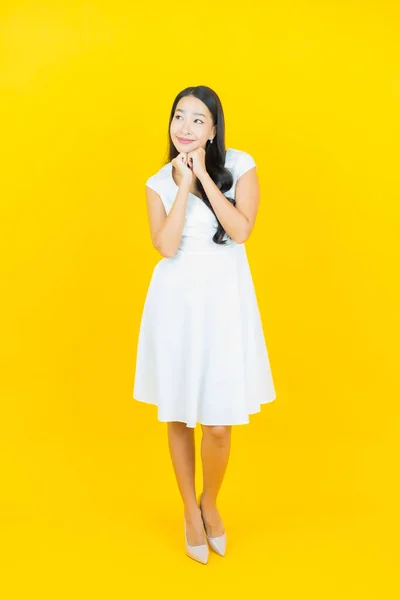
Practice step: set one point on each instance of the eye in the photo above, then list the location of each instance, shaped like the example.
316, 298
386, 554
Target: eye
180, 116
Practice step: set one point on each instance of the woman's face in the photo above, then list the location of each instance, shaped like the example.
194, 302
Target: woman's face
192, 120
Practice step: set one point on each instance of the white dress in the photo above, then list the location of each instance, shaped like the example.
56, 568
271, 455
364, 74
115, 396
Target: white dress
201, 354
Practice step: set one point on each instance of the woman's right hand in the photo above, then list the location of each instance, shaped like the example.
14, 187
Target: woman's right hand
181, 165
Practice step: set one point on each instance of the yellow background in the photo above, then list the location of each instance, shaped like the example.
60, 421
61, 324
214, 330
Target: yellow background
89, 506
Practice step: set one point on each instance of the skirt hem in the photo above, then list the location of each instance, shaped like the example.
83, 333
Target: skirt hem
254, 412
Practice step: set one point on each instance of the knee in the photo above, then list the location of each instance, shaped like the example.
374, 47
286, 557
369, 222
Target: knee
179, 428
219, 434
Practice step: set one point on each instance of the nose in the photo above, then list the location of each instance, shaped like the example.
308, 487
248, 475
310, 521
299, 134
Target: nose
185, 129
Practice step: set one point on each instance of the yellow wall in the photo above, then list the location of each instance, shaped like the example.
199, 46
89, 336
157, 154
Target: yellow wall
89, 506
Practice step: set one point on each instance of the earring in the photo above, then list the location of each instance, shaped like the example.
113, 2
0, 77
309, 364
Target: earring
211, 141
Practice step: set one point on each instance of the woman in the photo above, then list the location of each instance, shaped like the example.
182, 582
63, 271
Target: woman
201, 355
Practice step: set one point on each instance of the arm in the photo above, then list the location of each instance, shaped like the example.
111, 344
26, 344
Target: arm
166, 230
238, 221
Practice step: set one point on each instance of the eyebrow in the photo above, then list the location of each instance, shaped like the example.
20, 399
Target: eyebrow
195, 113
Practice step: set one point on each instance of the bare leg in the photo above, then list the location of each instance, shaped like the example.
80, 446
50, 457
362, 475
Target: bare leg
215, 450
182, 450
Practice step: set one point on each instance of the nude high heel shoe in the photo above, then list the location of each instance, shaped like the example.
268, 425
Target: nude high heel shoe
218, 544
199, 553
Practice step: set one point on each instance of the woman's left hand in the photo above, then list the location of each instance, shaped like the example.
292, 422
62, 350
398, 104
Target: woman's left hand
197, 162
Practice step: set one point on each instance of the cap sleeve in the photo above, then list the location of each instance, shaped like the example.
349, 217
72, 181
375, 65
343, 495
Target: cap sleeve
244, 163
152, 183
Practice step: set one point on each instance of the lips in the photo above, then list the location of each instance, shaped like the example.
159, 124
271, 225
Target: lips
185, 141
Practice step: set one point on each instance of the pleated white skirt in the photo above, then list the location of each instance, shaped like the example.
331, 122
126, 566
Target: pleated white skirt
201, 354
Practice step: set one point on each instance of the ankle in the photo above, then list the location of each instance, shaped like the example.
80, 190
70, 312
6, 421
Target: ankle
192, 513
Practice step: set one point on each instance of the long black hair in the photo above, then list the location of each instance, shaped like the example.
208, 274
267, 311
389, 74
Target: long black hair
215, 152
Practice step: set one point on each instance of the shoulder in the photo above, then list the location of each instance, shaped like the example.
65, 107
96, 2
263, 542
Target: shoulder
239, 161
160, 179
